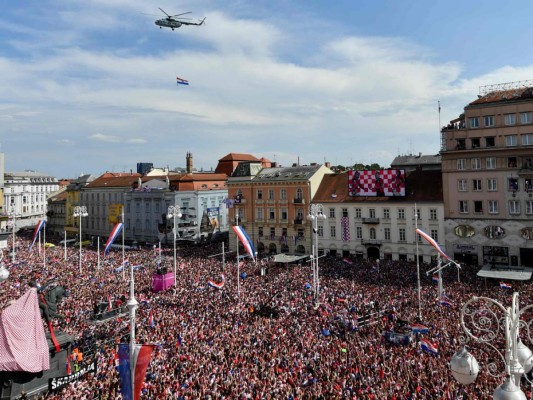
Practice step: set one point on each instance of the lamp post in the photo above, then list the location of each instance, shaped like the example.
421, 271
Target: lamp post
482, 325
316, 212
80, 211
174, 212
13, 216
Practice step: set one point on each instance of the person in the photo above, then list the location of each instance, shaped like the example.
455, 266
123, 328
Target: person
378, 185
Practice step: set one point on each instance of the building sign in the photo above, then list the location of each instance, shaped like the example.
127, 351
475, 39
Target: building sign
115, 213
465, 249
495, 255
62, 381
380, 183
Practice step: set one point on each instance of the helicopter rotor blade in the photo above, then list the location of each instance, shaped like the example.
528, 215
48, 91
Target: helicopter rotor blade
164, 12
177, 15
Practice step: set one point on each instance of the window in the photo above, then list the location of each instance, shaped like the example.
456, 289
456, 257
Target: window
529, 207
358, 232
461, 164
372, 232
511, 162
332, 231
386, 231
460, 144
299, 193
320, 231
514, 207
283, 194
271, 194
260, 214
474, 122
461, 185
488, 120
260, 231
476, 185
490, 163
344, 212
272, 233
386, 213
284, 214
493, 207
491, 185
463, 206
372, 213
527, 139
259, 194
357, 213
512, 185
510, 140
490, 141
434, 235
509, 119
525, 118
401, 213
528, 185
271, 213
476, 163
300, 214
332, 213
478, 207
401, 234
475, 143
433, 214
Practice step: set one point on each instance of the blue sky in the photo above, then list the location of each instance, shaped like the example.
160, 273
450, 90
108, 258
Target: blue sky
89, 86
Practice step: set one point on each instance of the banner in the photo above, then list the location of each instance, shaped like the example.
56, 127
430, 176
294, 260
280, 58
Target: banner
40, 225
115, 213
142, 354
62, 381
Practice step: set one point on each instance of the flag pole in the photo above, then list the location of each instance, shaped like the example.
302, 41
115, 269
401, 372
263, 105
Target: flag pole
123, 229
418, 265
98, 251
223, 257
65, 246
132, 305
44, 246
440, 277
238, 268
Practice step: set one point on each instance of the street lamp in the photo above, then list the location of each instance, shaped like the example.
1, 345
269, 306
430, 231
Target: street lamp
80, 211
484, 325
316, 212
13, 216
174, 212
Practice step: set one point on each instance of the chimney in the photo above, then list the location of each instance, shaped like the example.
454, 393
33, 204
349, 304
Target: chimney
327, 164
188, 162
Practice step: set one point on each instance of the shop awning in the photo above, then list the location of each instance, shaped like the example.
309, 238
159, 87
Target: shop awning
290, 258
504, 272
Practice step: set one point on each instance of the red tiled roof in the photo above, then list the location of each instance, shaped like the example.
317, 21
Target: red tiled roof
113, 179
239, 157
505, 95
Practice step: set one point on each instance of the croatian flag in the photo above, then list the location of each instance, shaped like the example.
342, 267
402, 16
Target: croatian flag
504, 285
432, 242
245, 240
347, 261
419, 328
435, 278
181, 81
445, 303
112, 236
38, 227
151, 319
142, 354
217, 285
429, 347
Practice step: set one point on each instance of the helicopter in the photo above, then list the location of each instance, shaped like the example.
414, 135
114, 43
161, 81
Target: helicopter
172, 22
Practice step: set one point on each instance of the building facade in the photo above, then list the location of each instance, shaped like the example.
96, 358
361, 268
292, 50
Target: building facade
380, 227
487, 167
272, 205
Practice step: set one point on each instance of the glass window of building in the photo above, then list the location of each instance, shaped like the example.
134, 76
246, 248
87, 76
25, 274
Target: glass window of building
401, 234
434, 235
512, 185
514, 207
488, 120
283, 194
299, 193
510, 140
271, 213
271, 194
320, 230
344, 212
332, 213
260, 214
386, 213
473, 122
509, 119
433, 214
386, 232
490, 162
461, 164
357, 213
525, 117
476, 163
284, 214
529, 207
475, 143
527, 139
272, 233
372, 213
259, 194
493, 206
372, 233
491, 185
461, 185
476, 185
478, 207
332, 231
463, 206
401, 213
490, 141
511, 162
358, 232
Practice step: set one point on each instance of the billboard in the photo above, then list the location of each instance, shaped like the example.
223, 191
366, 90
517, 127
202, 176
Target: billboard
115, 213
382, 183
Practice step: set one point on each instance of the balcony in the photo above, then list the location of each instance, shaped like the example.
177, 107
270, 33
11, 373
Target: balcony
298, 221
372, 221
298, 201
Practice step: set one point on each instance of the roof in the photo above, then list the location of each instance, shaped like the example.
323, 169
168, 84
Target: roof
239, 157
505, 96
412, 160
419, 186
302, 172
512, 273
110, 179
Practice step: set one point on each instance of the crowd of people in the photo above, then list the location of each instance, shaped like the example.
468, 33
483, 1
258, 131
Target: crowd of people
268, 337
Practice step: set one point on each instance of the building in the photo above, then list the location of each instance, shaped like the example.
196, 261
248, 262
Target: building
56, 214
373, 227
72, 199
487, 167
227, 164
411, 163
26, 194
272, 205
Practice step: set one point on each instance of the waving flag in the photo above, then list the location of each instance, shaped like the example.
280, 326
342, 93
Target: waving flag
435, 278
245, 240
112, 236
429, 347
347, 261
38, 227
142, 354
181, 81
445, 303
432, 242
218, 285
504, 285
419, 328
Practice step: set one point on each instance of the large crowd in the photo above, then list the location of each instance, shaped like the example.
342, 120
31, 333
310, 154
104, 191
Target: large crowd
267, 338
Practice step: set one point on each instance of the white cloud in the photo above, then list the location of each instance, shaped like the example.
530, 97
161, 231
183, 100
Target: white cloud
105, 138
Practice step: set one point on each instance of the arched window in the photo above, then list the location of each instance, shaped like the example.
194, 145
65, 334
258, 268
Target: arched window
299, 193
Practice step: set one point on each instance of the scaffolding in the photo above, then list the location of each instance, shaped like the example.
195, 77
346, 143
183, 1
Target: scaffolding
500, 87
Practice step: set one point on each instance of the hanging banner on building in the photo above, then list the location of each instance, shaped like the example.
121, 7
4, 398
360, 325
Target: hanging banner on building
380, 183
115, 213
213, 215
